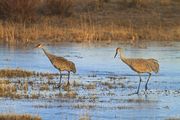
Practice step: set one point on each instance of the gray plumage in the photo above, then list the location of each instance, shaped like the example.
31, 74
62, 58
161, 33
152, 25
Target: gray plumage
140, 65
60, 63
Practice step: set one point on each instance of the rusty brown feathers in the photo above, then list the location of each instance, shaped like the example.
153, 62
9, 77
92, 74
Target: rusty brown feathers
142, 65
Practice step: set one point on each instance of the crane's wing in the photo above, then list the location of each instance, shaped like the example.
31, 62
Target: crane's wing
143, 65
57, 62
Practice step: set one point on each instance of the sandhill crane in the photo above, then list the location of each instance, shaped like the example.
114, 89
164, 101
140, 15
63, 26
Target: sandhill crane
60, 63
140, 65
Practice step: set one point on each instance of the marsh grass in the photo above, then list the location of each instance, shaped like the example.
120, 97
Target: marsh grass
109, 85
149, 20
44, 87
7, 89
90, 86
85, 117
57, 7
15, 73
34, 96
17, 83
25, 86
140, 100
71, 94
18, 10
18, 117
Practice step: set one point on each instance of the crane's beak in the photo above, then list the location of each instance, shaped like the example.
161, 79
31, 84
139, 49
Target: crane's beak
37, 46
115, 55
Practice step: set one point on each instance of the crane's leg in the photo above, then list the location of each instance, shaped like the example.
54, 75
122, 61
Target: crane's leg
147, 82
139, 84
68, 78
60, 79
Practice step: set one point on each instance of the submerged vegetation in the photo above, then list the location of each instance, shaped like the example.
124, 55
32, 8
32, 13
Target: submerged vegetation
89, 20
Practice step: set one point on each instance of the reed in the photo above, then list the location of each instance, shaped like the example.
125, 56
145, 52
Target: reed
149, 20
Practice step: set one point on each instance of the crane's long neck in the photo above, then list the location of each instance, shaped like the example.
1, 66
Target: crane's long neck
122, 56
49, 56
45, 52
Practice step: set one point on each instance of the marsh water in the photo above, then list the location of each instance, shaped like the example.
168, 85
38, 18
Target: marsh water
95, 64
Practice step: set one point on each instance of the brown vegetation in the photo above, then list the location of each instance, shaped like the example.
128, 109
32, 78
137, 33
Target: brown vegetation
84, 117
140, 100
90, 86
18, 117
14, 73
18, 10
71, 94
7, 89
44, 87
91, 20
57, 7
10, 73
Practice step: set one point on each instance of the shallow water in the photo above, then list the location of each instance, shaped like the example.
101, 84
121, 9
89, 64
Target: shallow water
95, 62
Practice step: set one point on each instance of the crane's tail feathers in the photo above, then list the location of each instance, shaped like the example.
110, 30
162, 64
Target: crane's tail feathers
154, 60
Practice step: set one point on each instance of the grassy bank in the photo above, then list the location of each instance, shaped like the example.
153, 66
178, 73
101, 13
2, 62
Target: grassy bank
96, 20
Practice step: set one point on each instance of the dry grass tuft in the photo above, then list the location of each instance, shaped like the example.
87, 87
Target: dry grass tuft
139, 100
109, 85
44, 87
70, 94
7, 89
10, 73
90, 86
18, 117
34, 96
14, 73
85, 117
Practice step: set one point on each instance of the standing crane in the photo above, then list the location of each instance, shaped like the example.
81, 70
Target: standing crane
140, 65
60, 63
